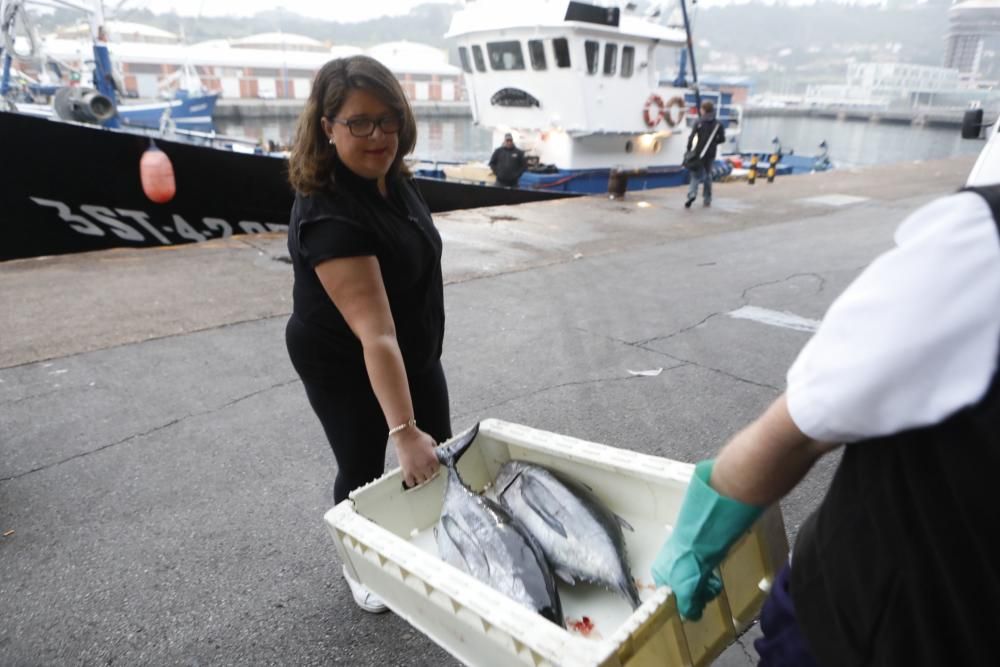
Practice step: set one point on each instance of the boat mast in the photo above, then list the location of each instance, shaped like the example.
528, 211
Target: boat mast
8, 12
103, 74
690, 51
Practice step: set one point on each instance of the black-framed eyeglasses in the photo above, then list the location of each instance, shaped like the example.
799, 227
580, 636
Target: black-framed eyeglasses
365, 127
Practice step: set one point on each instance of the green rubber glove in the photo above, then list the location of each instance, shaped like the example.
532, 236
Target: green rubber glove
707, 525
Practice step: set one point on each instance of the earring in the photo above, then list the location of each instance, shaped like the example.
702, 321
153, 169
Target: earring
331, 141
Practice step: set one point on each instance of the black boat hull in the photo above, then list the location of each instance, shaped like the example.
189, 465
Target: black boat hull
73, 188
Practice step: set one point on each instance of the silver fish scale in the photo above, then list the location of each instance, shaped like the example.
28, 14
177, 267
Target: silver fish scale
478, 536
592, 548
503, 553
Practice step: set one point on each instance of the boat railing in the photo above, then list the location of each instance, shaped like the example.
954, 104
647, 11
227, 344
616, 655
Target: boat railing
727, 112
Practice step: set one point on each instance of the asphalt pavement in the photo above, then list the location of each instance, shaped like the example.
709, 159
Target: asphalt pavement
163, 479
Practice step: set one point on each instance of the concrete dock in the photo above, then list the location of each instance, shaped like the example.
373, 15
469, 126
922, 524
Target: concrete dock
163, 479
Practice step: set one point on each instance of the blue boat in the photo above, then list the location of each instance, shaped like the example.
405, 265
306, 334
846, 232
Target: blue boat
186, 111
101, 104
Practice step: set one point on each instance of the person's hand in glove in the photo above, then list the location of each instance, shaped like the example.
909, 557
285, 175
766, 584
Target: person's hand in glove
759, 466
707, 526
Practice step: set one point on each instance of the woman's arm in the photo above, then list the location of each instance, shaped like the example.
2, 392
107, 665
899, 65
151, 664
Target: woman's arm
354, 284
765, 460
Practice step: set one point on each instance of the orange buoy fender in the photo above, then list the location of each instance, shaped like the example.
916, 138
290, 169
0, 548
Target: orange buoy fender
673, 112
157, 175
649, 116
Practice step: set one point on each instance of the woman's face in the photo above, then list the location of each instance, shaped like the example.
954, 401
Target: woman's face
368, 156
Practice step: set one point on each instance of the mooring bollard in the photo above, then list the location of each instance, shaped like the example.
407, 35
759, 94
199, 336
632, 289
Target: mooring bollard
752, 174
772, 169
617, 183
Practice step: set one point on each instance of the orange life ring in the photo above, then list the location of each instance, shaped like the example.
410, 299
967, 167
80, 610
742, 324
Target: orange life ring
674, 103
650, 119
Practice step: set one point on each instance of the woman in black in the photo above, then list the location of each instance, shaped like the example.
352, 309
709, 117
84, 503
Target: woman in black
367, 318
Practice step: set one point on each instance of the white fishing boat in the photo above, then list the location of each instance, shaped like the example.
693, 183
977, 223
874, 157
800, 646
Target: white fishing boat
586, 90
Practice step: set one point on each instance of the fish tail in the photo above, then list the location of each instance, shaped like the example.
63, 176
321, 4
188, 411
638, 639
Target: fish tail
450, 452
631, 593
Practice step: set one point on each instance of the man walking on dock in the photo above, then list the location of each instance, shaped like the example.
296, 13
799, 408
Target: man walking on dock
706, 134
508, 163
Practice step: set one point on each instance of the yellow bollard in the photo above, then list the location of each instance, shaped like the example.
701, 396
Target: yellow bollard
752, 174
772, 169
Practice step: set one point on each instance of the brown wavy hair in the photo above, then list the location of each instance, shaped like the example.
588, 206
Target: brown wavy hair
310, 166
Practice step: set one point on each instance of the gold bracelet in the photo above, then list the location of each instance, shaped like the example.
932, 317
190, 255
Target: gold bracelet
409, 422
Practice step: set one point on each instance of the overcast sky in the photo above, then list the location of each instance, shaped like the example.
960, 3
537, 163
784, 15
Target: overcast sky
331, 10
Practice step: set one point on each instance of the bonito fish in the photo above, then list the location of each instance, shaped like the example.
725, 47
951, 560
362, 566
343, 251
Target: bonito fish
581, 537
479, 537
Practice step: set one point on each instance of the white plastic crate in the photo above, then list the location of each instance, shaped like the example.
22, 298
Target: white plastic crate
385, 538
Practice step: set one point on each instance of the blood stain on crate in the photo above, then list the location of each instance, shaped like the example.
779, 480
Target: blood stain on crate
583, 627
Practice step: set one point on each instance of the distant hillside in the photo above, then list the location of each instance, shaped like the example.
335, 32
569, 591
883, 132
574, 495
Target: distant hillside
825, 30
425, 23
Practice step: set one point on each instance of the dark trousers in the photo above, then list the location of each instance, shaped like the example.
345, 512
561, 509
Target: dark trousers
782, 644
352, 418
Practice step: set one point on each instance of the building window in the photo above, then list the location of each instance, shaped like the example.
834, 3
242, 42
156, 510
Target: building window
477, 55
505, 55
463, 55
536, 52
628, 60
561, 48
610, 58
591, 49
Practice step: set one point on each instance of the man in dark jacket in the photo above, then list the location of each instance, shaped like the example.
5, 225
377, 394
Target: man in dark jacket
508, 162
705, 136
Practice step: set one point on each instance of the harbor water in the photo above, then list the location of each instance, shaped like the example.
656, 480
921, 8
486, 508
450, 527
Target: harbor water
851, 143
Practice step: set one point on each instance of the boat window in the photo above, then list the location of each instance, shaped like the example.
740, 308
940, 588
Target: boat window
463, 55
591, 49
536, 51
561, 48
628, 60
505, 55
610, 58
477, 55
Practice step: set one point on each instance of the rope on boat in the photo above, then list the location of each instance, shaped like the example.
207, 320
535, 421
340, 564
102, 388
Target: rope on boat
11, 12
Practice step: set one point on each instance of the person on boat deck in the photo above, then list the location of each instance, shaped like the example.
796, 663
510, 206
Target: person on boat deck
706, 134
367, 323
901, 559
508, 162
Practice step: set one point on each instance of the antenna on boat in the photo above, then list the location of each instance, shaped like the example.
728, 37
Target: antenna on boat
10, 12
690, 52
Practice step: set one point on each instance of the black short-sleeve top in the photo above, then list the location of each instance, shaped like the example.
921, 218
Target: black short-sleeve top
351, 219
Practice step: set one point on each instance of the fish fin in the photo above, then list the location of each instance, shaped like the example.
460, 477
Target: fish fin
472, 554
624, 524
543, 502
449, 454
508, 480
566, 576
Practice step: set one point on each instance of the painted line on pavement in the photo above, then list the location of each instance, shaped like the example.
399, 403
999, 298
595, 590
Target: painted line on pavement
775, 318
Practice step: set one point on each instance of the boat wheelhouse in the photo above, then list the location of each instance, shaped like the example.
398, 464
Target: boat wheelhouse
583, 88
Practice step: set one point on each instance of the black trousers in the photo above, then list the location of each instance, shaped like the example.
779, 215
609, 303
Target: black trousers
351, 416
